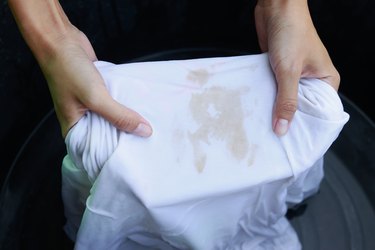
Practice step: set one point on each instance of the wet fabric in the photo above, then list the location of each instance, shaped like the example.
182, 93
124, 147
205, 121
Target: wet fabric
213, 175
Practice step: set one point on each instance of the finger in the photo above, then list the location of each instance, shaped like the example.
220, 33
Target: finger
286, 99
122, 117
320, 66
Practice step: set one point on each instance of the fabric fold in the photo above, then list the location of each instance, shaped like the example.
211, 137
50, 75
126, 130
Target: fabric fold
318, 121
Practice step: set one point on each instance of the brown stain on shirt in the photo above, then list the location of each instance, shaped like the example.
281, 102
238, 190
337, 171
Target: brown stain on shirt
200, 76
219, 114
252, 154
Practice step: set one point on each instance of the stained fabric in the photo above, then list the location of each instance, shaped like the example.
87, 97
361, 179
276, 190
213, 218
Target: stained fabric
213, 175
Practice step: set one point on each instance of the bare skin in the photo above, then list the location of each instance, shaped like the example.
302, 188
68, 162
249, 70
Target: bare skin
286, 31
66, 58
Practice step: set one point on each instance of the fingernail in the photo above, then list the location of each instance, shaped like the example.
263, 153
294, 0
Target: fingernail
143, 130
281, 127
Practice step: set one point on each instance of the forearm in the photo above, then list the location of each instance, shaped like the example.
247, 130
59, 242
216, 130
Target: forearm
42, 23
280, 3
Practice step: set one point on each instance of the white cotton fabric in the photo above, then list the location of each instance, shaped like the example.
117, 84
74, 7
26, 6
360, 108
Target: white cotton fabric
213, 175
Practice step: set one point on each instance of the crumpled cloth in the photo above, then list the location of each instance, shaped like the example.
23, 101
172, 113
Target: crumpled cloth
213, 175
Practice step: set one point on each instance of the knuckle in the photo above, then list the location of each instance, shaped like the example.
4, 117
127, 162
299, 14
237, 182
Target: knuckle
286, 67
337, 78
288, 107
125, 124
91, 100
94, 96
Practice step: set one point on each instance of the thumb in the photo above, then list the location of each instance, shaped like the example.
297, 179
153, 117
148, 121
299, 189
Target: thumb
122, 117
286, 99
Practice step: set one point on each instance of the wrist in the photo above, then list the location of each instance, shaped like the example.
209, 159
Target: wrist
41, 23
279, 3
292, 11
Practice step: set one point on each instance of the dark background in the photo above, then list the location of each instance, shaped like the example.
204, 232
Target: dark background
121, 30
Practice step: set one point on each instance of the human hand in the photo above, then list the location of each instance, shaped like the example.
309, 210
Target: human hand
285, 30
76, 86
66, 58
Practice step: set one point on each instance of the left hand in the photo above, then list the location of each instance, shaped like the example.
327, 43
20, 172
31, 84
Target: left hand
286, 31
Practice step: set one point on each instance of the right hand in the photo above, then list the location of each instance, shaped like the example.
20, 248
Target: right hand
76, 86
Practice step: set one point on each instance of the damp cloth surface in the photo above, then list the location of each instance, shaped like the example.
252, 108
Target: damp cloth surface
213, 175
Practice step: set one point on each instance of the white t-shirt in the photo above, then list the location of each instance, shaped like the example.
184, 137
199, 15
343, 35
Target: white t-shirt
213, 175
